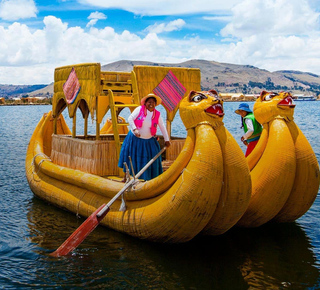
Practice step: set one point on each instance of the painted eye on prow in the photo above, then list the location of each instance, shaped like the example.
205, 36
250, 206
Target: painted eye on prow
198, 98
270, 97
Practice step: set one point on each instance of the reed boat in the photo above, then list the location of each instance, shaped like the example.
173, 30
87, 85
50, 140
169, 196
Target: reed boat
283, 166
205, 189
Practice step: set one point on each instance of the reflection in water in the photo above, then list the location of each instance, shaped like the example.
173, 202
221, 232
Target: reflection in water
277, 255
271, 257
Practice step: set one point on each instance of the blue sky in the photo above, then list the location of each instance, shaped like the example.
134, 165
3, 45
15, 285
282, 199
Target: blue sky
37, 36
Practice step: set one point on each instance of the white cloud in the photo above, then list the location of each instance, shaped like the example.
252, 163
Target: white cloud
163, 27
272, 34
164, 7
218, 18
57, 44
97, 15
92, 22
94, 17
275, 17
17, 9
272, 41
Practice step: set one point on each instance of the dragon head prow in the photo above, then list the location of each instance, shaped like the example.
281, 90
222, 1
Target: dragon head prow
270, 105
202, 107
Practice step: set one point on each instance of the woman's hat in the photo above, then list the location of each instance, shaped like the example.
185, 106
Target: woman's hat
143, 100
243, 107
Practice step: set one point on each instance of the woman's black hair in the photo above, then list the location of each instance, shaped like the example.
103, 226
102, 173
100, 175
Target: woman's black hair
150, 98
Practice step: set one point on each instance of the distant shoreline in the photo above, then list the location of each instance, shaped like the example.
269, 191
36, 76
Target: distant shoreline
24, 104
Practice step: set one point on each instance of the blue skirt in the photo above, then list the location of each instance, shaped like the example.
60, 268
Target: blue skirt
141, 152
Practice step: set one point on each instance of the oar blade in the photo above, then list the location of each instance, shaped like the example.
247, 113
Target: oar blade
92, 221
79, 235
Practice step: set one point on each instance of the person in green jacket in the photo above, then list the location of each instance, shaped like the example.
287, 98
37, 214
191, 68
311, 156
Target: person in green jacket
252, 128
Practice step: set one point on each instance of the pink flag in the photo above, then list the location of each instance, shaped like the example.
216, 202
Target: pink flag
170, 90
71, 87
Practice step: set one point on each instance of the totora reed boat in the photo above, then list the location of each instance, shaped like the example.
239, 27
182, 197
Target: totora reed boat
207, 185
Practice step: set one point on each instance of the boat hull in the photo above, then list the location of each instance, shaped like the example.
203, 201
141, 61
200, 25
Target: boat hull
176, 214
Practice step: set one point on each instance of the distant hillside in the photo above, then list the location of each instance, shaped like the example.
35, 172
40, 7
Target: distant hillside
8, 91
46, 91
246, 79
223, 77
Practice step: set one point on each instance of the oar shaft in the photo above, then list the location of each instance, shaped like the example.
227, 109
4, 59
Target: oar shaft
95, 218
107, 206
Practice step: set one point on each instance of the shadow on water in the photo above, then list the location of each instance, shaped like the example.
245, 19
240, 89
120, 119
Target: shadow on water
275, 256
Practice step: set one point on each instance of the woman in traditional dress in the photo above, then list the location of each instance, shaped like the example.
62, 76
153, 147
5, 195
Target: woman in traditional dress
141, 143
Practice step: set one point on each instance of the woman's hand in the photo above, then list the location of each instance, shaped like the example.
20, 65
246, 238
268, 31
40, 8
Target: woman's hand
244, 141
136, 132
167, 144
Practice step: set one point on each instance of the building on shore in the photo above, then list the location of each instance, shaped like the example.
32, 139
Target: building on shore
236, 97
32, 100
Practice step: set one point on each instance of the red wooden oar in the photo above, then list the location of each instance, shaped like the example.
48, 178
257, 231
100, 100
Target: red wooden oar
79, 235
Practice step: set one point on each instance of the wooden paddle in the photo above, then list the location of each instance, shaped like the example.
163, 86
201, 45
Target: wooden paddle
79, 235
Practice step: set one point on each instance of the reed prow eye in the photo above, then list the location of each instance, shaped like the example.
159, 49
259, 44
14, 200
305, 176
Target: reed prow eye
270, 97
198, 98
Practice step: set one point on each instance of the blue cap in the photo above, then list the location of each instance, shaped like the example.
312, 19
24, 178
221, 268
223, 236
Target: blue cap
243, 107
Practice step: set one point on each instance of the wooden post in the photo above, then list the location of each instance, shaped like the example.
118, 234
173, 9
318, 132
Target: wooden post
74, 131
55, 125
97, 131
85, 126
169, 128
97, 122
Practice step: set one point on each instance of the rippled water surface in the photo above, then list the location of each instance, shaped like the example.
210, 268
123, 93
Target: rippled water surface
270, 257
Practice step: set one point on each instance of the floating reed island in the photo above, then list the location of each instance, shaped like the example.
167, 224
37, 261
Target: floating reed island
208, 186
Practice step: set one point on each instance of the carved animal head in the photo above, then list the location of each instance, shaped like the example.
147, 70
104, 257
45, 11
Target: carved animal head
202, 107
271, 105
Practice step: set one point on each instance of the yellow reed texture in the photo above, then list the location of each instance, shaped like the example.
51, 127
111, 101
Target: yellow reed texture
284, 169
272, 178
163, 182
174, 150
306, 182
180, 213
107, 187
89, 78
177, 215
148, 77
236, 189
107, 127
257, 152
96, 157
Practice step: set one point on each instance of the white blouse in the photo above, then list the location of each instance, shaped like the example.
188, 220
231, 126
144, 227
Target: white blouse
145, 132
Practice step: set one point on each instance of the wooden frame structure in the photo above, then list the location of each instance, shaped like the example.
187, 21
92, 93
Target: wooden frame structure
101, 91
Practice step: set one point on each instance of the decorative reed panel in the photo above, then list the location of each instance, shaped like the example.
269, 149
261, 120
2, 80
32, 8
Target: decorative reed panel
148, 77
89, 77
92, 156
174, 150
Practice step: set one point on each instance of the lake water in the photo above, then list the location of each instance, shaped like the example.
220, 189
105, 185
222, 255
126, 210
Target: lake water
284, 256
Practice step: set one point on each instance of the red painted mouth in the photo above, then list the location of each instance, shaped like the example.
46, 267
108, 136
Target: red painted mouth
287, 102
216, 109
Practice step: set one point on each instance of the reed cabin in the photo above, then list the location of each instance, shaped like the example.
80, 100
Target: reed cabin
94, 92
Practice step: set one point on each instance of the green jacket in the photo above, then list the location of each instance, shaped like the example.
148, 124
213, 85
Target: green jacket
257, 128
